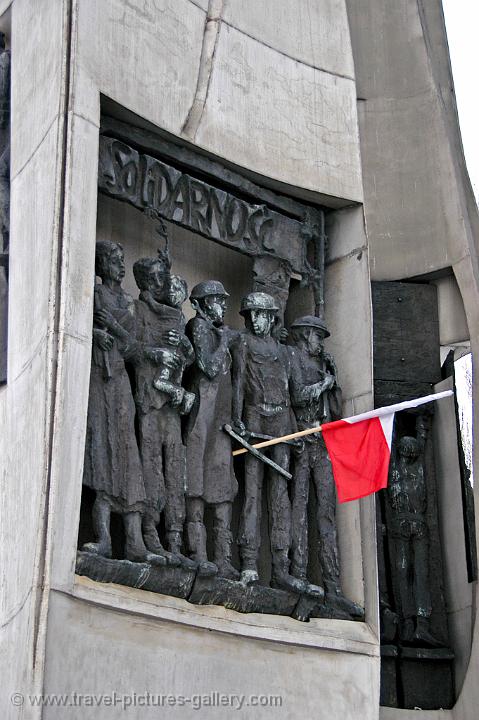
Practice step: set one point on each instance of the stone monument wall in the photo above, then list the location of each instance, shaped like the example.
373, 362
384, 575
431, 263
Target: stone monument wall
271, 92
315, 101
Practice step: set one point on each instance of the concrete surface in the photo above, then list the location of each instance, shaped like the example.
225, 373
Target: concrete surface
276, 93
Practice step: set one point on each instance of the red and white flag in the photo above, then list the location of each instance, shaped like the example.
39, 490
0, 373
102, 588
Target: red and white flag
360, 448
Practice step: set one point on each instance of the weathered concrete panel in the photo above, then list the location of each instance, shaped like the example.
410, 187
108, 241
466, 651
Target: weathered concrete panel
144, 55
303, 121
346, 233
348, 316
36, 34
22, 490
452, 317
281, 119
80, 229
381, 61
315, 32
16, 666
32, 212
37, 74
410, 210
410, 147
176, 660
458, 591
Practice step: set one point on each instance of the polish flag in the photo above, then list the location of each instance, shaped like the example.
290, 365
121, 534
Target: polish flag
360, 448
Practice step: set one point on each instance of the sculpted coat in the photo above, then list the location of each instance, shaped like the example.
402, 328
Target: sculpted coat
112, 463
208, 448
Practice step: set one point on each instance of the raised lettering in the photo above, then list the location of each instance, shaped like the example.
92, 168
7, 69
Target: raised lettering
236, 219
200, 199
179, 210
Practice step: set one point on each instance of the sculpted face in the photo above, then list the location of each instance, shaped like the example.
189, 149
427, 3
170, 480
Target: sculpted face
158, 282
115, 267
262, 322
408, 448
315, 341
310, 339
215, 307
177, 292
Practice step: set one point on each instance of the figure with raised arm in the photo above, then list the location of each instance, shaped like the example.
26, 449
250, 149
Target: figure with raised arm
160, 401
409, 533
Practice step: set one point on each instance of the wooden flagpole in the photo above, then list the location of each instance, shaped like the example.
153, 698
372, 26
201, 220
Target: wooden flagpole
378, 412
283, 438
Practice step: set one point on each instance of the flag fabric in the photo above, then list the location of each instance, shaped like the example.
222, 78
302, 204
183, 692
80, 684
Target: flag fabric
360, 448
360, 452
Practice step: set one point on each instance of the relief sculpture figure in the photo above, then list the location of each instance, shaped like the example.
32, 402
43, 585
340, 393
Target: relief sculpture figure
261, 404
316, 399
409, 534
112, 463
5, 62
160, 400
210, 474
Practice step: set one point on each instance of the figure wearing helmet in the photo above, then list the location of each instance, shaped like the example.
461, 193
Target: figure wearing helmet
316, 399
261, 403
210, 475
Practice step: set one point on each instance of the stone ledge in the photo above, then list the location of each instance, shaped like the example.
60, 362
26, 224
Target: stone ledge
338, 635
202, 588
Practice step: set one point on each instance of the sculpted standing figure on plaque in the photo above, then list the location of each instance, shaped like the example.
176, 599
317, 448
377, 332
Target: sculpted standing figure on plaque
160, 400
112, 464
316, 399
210, 473
261, 404
5, 61
409, 533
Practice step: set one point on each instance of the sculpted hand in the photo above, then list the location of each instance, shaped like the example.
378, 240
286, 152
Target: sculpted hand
298, 447
102, 339
104, 317
328, 382
172, 337
316, 390
162, 356
239, 427
177, 397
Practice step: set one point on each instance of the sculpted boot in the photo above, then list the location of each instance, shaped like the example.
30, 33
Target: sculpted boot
174, 541
153, 544
196, 534
135, 549
422, 635
249, 567
101, 527
223, 540
335, 597
314, 591
281, 578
